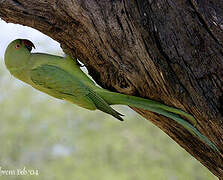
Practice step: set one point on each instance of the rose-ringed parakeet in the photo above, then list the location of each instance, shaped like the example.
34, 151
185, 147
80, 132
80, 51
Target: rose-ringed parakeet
62, 78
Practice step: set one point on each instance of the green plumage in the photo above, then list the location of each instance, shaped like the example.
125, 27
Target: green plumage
62, 78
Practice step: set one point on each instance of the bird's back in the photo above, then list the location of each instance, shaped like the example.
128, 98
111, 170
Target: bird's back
66, 63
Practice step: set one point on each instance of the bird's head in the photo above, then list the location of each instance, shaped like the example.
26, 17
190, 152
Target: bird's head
17, 53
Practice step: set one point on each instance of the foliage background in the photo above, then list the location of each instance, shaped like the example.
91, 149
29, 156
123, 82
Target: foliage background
63, 141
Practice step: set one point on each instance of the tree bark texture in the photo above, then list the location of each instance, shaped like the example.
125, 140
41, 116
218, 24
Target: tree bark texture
167, 50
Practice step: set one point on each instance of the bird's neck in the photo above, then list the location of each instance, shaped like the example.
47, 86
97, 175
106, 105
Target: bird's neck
20, 73
17, 64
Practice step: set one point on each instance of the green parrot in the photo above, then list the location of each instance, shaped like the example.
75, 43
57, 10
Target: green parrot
62, 78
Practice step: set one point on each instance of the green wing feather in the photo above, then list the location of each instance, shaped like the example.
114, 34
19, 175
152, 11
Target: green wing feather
57, 79
67, 86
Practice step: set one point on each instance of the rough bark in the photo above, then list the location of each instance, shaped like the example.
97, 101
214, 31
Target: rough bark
166, 50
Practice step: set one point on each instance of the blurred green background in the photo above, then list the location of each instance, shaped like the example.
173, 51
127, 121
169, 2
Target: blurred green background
63, 141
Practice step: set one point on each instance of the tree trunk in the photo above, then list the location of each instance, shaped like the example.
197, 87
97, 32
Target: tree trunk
166, 50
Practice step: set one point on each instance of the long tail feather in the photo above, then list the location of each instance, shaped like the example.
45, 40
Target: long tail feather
189, 127
170, 112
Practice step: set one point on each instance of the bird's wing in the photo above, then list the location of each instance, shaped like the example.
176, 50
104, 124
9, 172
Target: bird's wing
58, 80
62, 83
102, 105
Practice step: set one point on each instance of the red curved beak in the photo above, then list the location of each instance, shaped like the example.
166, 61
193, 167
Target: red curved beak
29, 45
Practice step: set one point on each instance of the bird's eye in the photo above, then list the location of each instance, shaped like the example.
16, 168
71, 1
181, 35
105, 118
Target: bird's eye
17, 46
